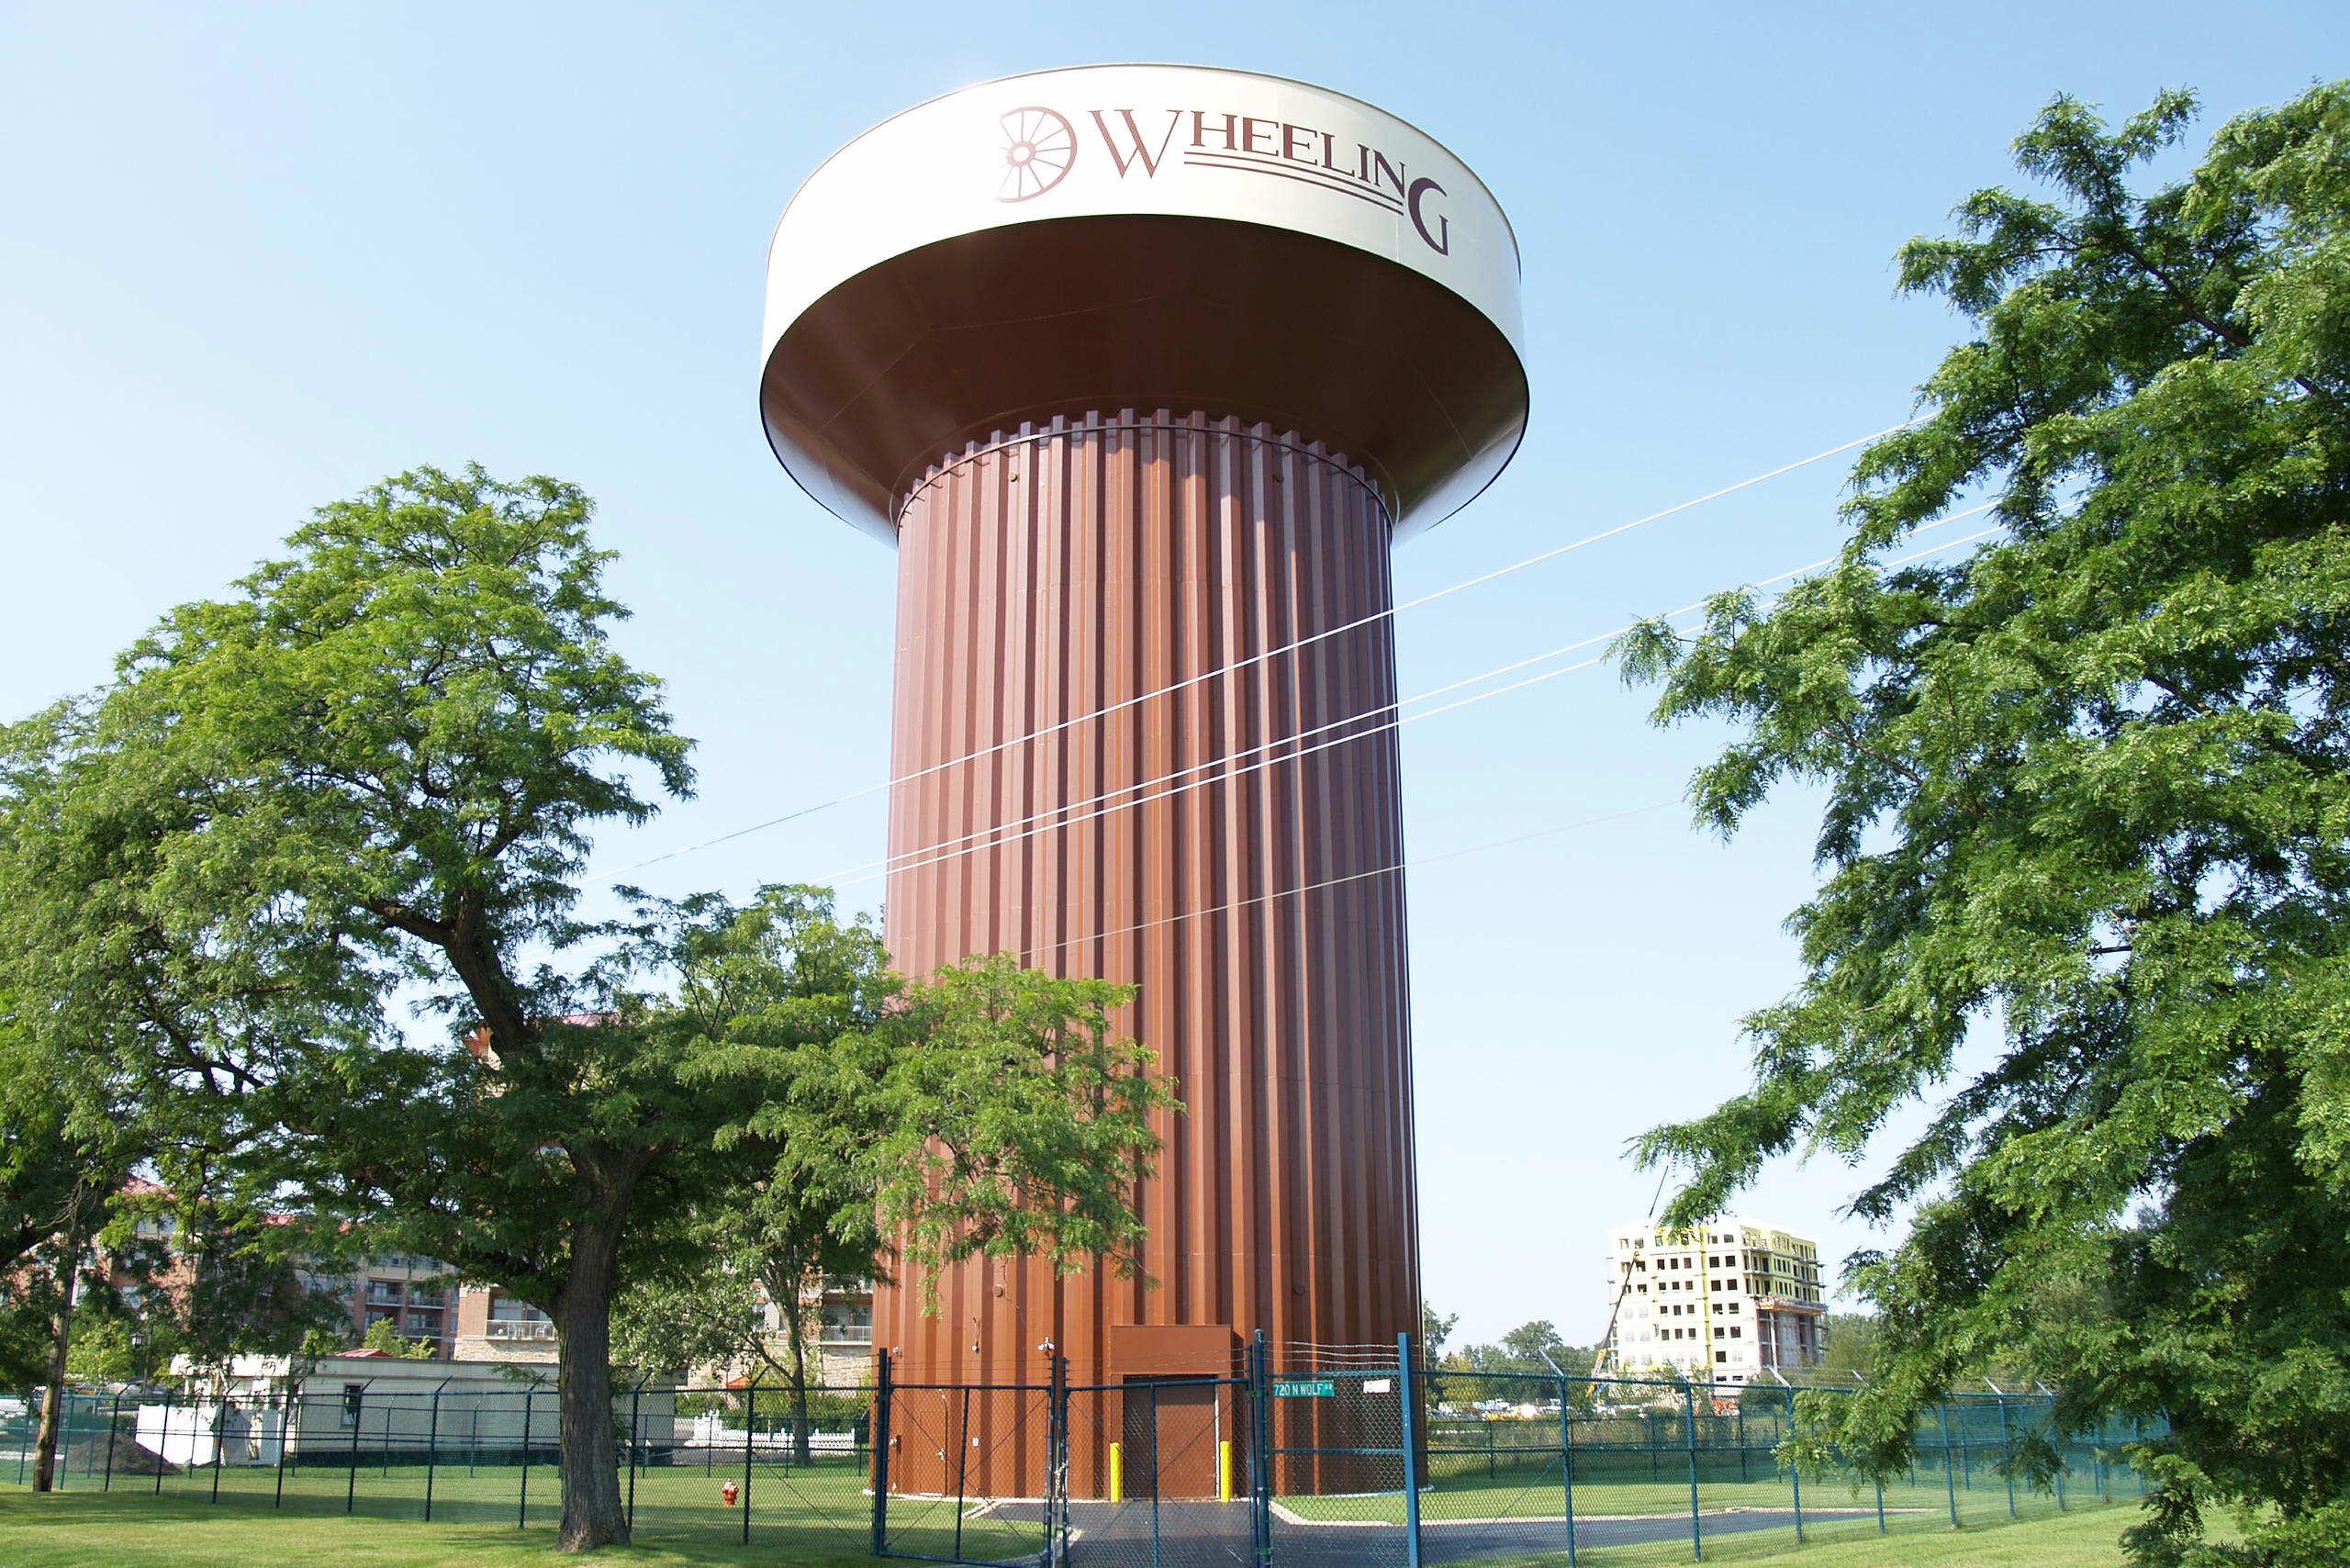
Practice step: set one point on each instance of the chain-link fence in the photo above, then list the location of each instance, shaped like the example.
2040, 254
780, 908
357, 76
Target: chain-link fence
1627, 1470
1296, 1455
727, 1463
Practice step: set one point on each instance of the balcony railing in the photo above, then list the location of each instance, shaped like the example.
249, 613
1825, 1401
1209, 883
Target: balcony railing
845, 1333
520, 1329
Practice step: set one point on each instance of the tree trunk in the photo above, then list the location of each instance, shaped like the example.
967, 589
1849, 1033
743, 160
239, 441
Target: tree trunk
60, 1340
593, 1513
799, 1400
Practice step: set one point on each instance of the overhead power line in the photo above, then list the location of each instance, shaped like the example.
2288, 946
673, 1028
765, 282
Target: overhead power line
998, 836
1511, 842
1479, 580
893, 861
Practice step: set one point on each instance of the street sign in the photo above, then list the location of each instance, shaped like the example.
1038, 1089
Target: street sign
1311, 1388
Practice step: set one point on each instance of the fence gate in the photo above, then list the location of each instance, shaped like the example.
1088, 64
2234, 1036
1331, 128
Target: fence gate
1335, 1481
1157, 1473
970, 1476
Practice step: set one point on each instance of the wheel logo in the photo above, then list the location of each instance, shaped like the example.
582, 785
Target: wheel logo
1038, 147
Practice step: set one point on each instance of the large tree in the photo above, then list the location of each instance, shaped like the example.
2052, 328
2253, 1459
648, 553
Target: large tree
378, 765
2085, 835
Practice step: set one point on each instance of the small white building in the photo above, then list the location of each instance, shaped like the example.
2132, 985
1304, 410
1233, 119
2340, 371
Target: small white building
1729, 1302
374, 1408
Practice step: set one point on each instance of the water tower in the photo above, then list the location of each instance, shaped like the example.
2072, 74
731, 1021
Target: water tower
1142, 369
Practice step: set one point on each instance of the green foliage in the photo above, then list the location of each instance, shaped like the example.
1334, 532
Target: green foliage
1478, 1372
377, 763
107, 1348
1435, 1330
2086, 811
382, 1336
376, 766
1848, 1346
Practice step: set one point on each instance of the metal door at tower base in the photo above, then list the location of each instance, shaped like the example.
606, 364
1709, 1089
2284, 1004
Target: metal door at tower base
1172, 1432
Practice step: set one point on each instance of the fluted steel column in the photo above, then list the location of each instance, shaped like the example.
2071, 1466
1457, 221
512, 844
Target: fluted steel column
1058, 570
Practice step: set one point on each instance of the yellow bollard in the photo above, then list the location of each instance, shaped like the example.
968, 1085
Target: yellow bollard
1223, 1470
1117, 1473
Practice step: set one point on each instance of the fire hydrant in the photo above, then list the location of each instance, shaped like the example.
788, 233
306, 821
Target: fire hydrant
730, 1492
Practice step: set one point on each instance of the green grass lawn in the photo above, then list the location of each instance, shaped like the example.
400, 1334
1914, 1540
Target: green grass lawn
85, 1529
818, 1517
1535, 1491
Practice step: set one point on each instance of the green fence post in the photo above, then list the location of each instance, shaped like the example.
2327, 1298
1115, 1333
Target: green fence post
1741, 1437
2007, 1455
1056, 1470
358, 1412
962, 1466
1567, 1464
636, 1428
163, 1438
750, 1430
522, 1508
288, 1397
1262, 1450
1950, 1471
1407, 1399
113, 1430
1697, 1528
881, 1453
1793, 1477
432, 1450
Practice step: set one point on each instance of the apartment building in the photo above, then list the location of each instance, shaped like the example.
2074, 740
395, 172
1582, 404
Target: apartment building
404, 1291
398, 1288
492, 1326
844, 1316
1735, 1301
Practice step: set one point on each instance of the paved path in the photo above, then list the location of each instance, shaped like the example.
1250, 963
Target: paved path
1215, 1535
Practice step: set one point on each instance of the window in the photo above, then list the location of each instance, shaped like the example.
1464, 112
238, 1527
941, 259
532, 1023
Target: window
1733, 1330
351, 1397
1718, 1356
847, 1323
384, 1292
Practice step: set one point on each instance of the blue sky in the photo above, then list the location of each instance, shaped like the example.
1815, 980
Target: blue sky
253, 257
